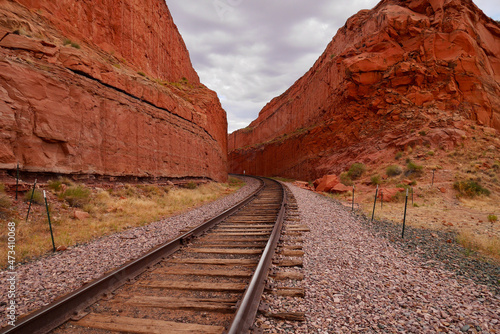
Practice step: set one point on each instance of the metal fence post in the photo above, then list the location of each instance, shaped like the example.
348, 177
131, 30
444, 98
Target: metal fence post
17, 179
50, 224
374, 203
404, 218
31, 200
353, 197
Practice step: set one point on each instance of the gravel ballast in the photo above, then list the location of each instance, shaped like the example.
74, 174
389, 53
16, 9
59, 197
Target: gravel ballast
42, 281
357, 281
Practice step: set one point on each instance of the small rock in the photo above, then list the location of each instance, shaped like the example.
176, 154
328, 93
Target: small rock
465, 328
61, 248
80, 215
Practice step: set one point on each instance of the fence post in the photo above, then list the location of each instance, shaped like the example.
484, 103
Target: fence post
353, 187
404, 218
374, 203
50, 224
17, 178
31, 200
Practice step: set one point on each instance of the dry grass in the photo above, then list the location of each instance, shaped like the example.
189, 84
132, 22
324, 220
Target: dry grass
472, 169
110, 211
484, 244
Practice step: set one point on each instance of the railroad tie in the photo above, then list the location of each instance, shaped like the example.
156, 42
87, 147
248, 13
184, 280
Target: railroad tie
144, 326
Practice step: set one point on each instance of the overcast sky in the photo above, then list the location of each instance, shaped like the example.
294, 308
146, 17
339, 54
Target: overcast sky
250, 51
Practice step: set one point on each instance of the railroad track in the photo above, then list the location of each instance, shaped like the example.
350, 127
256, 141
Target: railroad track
208, 280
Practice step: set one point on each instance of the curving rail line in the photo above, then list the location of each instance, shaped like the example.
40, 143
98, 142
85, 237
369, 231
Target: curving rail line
213, 275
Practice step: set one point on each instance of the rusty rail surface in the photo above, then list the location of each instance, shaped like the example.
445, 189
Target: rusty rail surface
60, 311
246, 312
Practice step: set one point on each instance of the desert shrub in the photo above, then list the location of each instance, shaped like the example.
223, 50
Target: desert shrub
67, 41
414, 169
141, 73
191, 185
399, 155
76, 196
151, 190
37, 196
345, 179
5, 201
393, 170
431, 153
492, 218
356, 170
235, 182
400, 196
470, 188
55, 185
376, 179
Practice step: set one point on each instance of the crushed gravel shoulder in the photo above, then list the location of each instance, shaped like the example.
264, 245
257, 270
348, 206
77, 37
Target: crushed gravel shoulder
359, 278
44, 280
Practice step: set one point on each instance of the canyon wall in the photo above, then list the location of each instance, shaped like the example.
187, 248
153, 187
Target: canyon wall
404, 73
106, 88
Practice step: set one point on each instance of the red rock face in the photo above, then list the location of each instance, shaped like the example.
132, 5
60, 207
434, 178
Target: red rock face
80, 109
141, 32
404, 73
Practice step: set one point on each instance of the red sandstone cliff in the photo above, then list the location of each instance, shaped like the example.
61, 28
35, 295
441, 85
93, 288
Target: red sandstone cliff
404, 67
104, 87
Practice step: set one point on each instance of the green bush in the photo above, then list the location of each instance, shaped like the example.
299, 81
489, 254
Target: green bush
55, 185
399, 155
414, 169
345, 179
76, 196
67, 41
37, 196
470, 188
376, 180
191, 185
492, 218
393, 170
356, 170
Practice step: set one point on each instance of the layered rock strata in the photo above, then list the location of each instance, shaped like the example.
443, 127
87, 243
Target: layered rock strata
402, 74
106, 88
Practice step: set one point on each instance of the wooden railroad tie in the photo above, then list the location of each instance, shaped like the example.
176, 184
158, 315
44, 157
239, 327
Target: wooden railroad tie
238, 251
286, 275
195, 304
203, 272
199, 286
144, 326
217, 262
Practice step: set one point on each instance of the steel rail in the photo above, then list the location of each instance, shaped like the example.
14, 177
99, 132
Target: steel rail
247, 310
63, 309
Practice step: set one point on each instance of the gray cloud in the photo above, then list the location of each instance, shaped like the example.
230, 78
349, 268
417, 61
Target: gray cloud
250, 51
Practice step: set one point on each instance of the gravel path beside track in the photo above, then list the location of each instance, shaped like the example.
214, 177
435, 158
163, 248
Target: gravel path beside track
42, 281
359, 282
